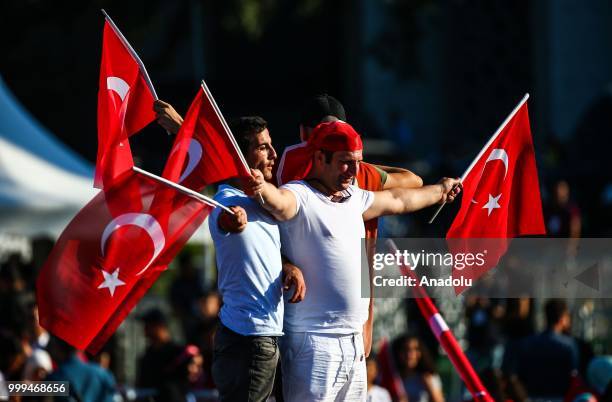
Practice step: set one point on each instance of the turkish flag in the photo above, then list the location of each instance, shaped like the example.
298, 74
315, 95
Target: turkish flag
107, 258
204, 150
125, 106
501, 198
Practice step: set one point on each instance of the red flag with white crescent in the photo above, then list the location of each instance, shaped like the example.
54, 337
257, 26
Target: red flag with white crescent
205, 150
501, 197
125, 105
107, 258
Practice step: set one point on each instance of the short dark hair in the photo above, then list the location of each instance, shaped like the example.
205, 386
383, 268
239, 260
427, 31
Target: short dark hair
244, 128
319, 106
554, 310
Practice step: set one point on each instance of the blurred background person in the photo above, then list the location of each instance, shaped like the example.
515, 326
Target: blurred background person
37, 366
203, 333
13, 294
599, 377
39, 335
184, 374
159, 359
376, 393
12, 358
546, 362
416, 368
88, 382
562, 217
185, 293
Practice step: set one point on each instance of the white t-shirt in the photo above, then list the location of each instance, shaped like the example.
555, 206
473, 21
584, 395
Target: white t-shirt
378, 394
324, 241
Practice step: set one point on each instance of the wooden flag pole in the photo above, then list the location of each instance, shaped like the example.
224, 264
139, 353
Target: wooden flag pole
482, 151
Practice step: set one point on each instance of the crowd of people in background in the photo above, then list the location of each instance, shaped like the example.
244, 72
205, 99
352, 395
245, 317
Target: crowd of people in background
515, 361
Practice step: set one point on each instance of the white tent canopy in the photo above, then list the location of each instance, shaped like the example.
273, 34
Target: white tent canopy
43, 184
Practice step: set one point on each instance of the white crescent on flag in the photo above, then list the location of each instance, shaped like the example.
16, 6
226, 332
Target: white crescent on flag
144, 221
499, 154
496, 154
194, 155
118, 85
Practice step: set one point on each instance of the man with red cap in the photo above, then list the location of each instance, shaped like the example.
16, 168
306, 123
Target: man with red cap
323, 108
322, 216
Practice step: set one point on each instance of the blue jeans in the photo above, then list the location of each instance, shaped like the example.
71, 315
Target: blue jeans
244, 366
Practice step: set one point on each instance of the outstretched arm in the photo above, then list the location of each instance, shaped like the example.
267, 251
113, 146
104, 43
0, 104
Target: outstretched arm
400, 200
398, 177
167, 117
279, 203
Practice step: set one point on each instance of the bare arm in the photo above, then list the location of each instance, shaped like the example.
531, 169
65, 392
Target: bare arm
279, 203
167, 117
368, 329
398, 177
434, 391
397, 201
368, 326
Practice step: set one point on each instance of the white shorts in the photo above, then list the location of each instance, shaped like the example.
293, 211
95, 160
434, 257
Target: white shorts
323, 367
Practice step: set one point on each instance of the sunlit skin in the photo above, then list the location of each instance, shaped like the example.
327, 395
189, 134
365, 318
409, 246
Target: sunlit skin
340, 173
261, 154
372, 372
194, 368
411, 354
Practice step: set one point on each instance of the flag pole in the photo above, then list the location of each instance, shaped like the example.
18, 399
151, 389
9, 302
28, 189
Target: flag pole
202, 198
444, 335
224, 124
482, 151
131, 50
229, 131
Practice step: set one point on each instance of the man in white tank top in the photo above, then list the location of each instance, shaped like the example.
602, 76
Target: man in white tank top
322, 350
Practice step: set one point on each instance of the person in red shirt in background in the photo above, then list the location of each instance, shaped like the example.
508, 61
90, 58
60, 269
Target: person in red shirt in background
324, 108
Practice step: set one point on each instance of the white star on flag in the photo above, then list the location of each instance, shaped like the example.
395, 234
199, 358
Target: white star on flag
111, 281
492, 204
